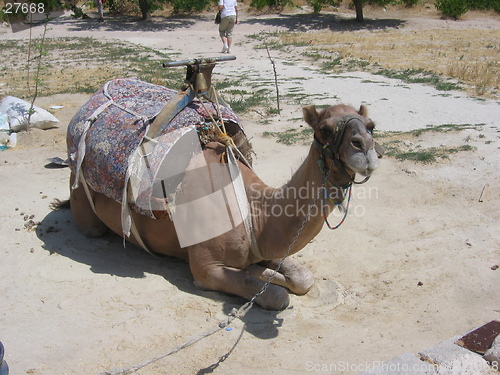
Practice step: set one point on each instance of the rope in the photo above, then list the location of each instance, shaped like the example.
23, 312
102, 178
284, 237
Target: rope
235, 313
129, 370
325, 214
347, 189
224, 137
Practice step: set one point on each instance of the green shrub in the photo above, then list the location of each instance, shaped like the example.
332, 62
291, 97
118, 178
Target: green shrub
479, 4
452, 8
410, 3
381, 3
183, 6
3, 16
484, 4
319, 4
273, 4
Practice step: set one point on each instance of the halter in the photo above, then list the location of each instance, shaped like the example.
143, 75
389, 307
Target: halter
332, 152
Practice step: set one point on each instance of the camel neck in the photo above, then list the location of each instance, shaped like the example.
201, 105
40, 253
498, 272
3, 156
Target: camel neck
279, 214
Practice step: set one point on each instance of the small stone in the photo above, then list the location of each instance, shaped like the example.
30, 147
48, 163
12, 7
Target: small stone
420, 283
493, 353
495, 267
410, 172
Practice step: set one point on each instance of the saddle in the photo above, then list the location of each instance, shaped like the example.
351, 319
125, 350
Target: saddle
106, 131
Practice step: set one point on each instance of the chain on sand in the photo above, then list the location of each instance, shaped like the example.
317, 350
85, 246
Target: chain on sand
235, 313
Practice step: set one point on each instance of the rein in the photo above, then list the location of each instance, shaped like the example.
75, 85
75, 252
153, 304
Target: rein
347, 191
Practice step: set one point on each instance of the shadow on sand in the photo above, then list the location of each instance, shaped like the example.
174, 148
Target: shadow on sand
127, 23
332, 22
292, 22
107, 255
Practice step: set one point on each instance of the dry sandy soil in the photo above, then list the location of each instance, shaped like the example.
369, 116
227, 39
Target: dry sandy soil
413, 265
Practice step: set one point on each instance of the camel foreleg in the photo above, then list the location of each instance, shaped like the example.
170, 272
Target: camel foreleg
291, 275
238, 282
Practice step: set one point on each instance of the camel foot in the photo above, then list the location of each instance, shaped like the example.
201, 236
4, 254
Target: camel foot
275, 298
291, 275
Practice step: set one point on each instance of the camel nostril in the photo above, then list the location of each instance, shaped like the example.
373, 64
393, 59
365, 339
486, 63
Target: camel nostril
357, 145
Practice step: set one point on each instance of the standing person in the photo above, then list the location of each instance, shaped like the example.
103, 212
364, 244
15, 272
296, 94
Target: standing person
99, 4
229, 18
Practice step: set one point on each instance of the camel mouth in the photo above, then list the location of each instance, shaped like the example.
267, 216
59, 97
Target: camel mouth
367, 172
363, 162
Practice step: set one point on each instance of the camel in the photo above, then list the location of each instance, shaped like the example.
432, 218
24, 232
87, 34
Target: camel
283, 220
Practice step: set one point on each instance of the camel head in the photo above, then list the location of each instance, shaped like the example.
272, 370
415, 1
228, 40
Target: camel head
344, 134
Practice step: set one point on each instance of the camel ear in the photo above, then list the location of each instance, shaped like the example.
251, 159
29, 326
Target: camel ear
311, 116
363, 111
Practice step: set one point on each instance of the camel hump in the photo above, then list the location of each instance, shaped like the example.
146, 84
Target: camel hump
114, 120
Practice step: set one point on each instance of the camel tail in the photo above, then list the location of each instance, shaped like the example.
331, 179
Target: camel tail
58, 204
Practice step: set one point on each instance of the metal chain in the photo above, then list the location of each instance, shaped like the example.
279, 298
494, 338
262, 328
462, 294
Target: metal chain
278, 267
235, 313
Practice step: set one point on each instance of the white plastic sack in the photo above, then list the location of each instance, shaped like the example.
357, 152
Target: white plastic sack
4, 122
17, 111
4, 130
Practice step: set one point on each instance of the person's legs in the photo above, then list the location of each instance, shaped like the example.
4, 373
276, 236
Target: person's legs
225, 45
229, 32
99, 11
223, 33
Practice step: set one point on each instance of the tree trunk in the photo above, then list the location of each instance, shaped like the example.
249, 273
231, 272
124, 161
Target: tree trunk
145, 8
358, 5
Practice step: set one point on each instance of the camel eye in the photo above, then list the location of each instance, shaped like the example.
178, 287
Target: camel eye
370, 128
325, 132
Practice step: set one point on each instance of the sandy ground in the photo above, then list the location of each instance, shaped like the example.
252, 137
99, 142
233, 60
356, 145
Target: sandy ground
413, 264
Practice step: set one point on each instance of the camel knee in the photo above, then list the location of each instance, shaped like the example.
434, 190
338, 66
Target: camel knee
238, 282
301, 283
203, 280
299, 278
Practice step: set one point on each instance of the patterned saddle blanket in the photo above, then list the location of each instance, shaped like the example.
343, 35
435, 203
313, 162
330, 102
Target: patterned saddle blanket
114, 121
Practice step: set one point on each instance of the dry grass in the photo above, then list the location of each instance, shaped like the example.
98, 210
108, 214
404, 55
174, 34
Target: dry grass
78, 65
471, 56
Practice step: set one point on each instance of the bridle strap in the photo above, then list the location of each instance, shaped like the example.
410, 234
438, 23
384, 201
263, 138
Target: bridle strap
332, 153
